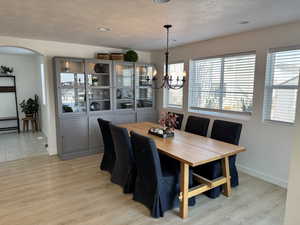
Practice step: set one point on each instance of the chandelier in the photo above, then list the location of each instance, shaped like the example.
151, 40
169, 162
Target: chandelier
168, 81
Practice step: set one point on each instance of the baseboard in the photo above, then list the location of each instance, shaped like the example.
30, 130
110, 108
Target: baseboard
74, 155
262, 176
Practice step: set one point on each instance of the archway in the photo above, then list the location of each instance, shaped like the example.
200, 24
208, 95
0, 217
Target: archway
30, 83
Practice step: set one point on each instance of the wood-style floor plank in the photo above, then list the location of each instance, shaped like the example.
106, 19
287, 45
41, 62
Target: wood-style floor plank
47, 191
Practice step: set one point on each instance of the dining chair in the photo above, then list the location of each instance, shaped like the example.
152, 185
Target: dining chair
179, 119
227, 132
156, 187
124, 172
109, 157
197, 125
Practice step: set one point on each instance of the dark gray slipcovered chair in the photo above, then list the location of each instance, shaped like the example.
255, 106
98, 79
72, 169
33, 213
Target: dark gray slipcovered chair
124, 172
109, 157
157, 181
155, 187
228, 132
179, 120
197, 125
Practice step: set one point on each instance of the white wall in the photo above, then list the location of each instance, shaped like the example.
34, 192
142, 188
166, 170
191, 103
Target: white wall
27, 80
292, 216
268, 144
49, 49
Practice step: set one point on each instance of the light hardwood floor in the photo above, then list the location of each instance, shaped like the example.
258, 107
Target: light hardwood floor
47, 191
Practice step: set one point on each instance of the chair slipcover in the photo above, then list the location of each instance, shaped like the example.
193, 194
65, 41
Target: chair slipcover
197, 125
109, 156
228, 132
179, 120
155, 187
124, 172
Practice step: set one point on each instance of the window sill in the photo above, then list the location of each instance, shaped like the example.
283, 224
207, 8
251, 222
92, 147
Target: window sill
275, 122
178, 108
223, 114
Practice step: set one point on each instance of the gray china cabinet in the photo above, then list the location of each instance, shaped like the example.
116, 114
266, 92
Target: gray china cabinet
88, 89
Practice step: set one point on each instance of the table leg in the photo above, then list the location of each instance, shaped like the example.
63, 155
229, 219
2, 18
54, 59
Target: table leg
36, 125
32, 125
184, 188
27, 125
226, 174
23, 126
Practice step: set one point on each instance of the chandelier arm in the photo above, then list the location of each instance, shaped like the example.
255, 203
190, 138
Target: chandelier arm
167, 80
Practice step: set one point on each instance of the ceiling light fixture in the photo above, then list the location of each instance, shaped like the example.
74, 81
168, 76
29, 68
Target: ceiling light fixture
103, 29
160, 1
168, 81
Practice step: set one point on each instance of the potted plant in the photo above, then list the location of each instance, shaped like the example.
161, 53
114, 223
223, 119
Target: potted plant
6, 70
131, 56
30, 107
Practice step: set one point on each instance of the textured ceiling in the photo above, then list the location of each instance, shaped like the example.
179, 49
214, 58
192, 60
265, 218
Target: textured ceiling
138, 24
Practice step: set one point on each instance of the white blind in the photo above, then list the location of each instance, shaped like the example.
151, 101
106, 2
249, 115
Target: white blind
282, 86
223, 83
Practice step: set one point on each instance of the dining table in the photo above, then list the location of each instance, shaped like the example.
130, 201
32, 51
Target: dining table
192, 150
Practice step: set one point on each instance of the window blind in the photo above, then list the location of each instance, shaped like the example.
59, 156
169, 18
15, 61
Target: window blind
223, 83
282, 86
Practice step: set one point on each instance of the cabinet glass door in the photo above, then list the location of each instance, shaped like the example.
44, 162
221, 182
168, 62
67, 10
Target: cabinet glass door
72, 87
124, 83
99, 85
144, 94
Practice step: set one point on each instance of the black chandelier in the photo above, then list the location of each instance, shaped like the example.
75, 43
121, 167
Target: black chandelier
168, 81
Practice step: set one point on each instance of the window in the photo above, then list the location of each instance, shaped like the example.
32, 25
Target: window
174, 98
222, 83
282, 85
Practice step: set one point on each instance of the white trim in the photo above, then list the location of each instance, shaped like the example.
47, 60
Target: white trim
220, 114
278, 122
283, 49
226, 55
270, 87
173, 107
274, 180
220, 110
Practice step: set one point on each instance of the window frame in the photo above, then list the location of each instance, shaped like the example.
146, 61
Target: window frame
166, 91
199, 109
269, 87
43, 81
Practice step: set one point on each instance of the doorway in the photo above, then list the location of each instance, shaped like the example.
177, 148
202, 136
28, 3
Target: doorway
23, 130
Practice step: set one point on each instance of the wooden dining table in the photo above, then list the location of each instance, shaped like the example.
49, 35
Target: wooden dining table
192, 150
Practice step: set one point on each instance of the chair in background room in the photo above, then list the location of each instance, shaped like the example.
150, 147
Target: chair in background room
179, 119
197, 125
155, 187
124, 172
109, 156
227, 132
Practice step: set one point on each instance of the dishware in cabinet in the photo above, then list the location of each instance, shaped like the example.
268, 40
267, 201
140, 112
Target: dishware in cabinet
99, 85
124, 85
144, 74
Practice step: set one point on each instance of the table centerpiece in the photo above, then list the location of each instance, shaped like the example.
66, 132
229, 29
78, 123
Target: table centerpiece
168, 123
